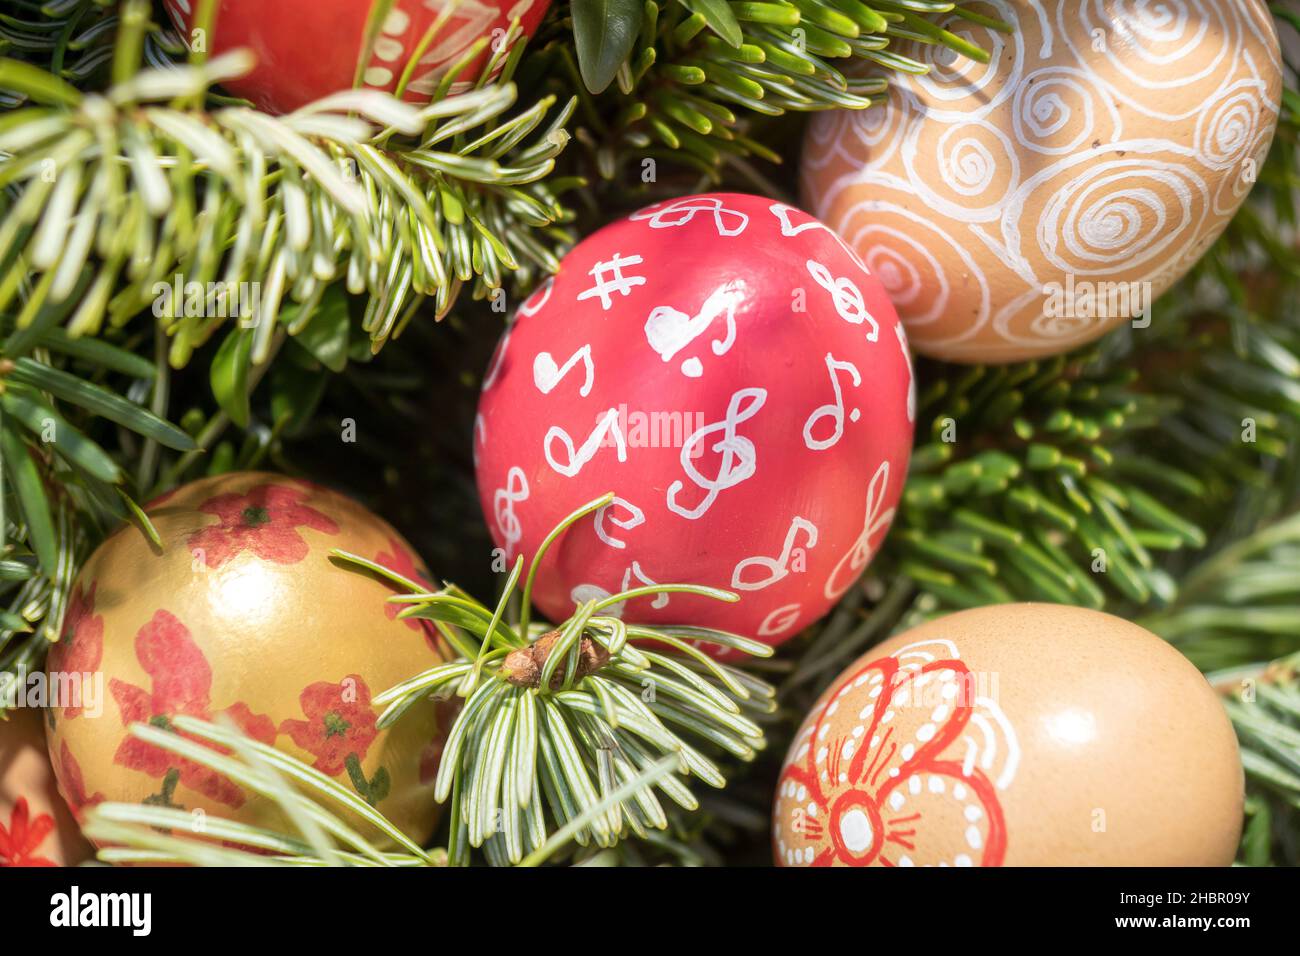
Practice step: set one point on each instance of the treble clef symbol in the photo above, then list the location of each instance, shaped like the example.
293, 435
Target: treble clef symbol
503, 507
739, 459
876, 522
846, 296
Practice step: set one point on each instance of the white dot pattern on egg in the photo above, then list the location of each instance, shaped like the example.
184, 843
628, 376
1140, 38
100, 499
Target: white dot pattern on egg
1014, 735
938, 755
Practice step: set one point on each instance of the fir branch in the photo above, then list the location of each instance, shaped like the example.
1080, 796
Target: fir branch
1234, 370
557, 720
75, 40
60, 481
1264, 704
59, 484
309, 805
697, 73
399, 203
1225, 343
314, 832
35, 600
1241, 604
1018, 489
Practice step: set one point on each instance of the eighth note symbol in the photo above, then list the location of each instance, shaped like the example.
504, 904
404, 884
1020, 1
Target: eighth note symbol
669, 331
774, 569
547, 374
835, 410
635, 518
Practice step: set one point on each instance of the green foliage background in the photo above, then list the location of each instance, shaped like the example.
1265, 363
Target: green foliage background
370, 221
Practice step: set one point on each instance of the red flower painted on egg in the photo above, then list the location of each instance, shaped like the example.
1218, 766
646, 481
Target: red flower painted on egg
67, 772
445, 711
340, 723
400, 560
900, 766
264, 521
181, 685
81, 649
20, 841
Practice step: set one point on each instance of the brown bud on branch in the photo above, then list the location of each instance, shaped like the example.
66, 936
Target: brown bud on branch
523, 667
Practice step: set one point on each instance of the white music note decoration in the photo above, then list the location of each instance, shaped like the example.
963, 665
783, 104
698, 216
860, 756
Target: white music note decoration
739, 458
660, 601
537, 301
636, 517
497, 361
681, 211
788, 228
583, 593
479, 438
503, 508
669, 331
780, 620
875, 523
547, 374
577, 457
610, 280
911, 373
778, 568
847, 298
835, 410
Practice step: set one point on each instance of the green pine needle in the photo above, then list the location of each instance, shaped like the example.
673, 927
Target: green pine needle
113, 197
688, 75
556, 722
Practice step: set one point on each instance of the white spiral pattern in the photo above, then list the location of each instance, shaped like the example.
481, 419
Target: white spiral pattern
1124, 212
1060, 110
971, 165
1109, 140
1225, 134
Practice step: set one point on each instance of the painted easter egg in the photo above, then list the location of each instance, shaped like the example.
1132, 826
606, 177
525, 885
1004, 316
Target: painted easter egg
307, 49
1025, 207
36, 826
1017, 734
241, 614
728, 369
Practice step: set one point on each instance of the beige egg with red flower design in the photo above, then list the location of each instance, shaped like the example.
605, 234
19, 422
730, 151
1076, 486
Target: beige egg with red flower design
36, 827
242, 614
1017, 735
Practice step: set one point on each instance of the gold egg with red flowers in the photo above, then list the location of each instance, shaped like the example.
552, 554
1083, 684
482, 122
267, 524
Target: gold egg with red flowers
240, 613
36, 826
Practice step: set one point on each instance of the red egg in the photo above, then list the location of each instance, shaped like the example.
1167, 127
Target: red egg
307, 49
730, 370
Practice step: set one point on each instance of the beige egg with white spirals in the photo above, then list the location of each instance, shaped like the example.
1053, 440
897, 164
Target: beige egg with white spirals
1023, 208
